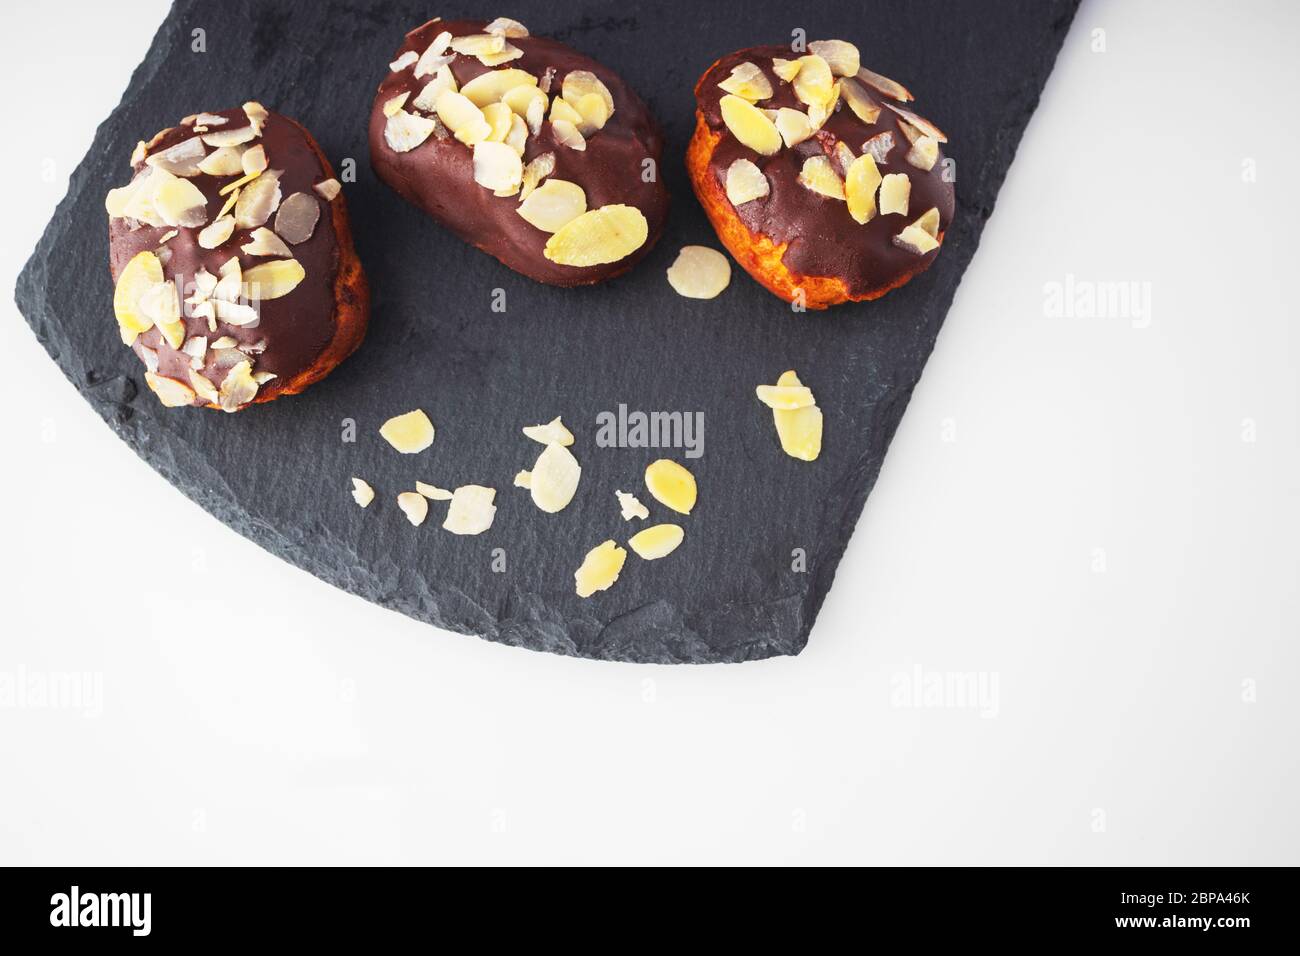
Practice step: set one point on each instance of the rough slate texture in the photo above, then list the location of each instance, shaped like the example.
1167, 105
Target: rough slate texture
279, 473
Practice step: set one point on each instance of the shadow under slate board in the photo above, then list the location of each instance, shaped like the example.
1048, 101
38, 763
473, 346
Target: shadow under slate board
279, 473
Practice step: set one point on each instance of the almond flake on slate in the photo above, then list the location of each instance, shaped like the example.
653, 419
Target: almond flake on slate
657, 541
414, 505
404, 131
580, 83
238, 388
491, 87
362, 493
820, 176
271, 280
497, 166
748, 124
524, 479
553, 205
328, 189
630, 506
786, 69
462, 117
671, 484
699, 272
748, 81
785, 396
799, 429
879, 146
793, 125
297, 217
183, 159
860, 184
505, 27
895, 190
554, 478
883, 84
434, 56
433, 492
171, 393
226, 161
263, 242
471, 510
863, 106
410, 433
403, 61
600, 569
478, 43
602, 235
745, 182
538, 168
567, 134
840, 55
552, 433
258, 200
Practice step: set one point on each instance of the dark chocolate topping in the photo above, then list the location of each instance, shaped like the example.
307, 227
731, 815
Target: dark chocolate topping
824, 240
438, 175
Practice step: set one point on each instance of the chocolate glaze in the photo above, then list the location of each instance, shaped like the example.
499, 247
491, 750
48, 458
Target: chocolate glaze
438, 175
296, 328
824, 240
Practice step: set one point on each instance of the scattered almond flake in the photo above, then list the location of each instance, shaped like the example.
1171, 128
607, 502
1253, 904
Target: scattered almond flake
463, 118
600, 569
820, 176
204, 388
819, 113
553, 205
929, 221
748, 124
799, 429
173, 333
180, 203
296, 219
552, 433
879, 146
499, 118
478, 43
491, 87
602, 235
225, 342
257, 115
785, 69
410, 433
254, 160
547, 78
504, 26
170, 392
883, 84
362, 493
471, 510
140, 153
748, 81
554, 478
404, 131
671, 484
328, 189
594, 113
135, 199
258, 200
150, 357
524, 479
699, 272
231, 137
415, 506
566, 134
403, 61
630, 506
814, 82
895, 189
745, 182
263, 242
226, 161
236, 313
497, 166
168, 236
863, 106
517, 138
261, 378
272, 280
434, 56
183, 159
917, 240
657, 541
196, 348
510, 52
910, 132
211, 119
213, 235
237, 388
433, 492
537, 169
785, 396
238, 184
562, 109
257, 348
840, 55
394, 106
229, 204
793, 125
528, 102
924, 153
580, 83
860, 184
428, 98
165, 255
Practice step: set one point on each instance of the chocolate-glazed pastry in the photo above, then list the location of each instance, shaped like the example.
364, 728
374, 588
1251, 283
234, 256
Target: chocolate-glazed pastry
236, 280
815, 176
523, 147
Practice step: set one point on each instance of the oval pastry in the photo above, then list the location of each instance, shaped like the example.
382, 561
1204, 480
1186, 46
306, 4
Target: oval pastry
235, 276
523, 147
820, 181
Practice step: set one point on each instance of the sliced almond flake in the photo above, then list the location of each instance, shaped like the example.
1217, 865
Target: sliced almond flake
167, 237
580, 83
657, 541
746, 182
553, 432
428, 98
594, 113
840, 55
434, 56
261, 378
463, 118
258, 200
785, 396
553, 205
859, 100
150, 357
328, 189
820, 176
471, 510
492, 86
793, 125
538, 168
879, 146
231, 137
562, 109
362, 493
517, 138
566, 134
140, 153
257, 115
240, 183
415, 506
254, 160
264, 242
271, 280
600, 569
180, 203
749, 125
504, 26
433, 492
497, 166
225, 342
546, 79
699, 272
297, 217
524, 479
410, 433
883, 84
554, 478
819, 113
394, 106
211, 119
257, 348
895, 189
814, 81
403, 61
235, 313
860, 184
183, 159
505, 55
404, 131
237, 388
226, 161
229, 204
748, 81
843, 157
213, 235
799, 429
630, 506
204, 388
196, 348
478, 43
672, 485
924, 153
598, 236
498, 117
170, 392
786, 70
917, 240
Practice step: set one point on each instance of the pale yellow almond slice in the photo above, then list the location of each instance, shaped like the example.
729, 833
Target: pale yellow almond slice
498, 117
748, 124
496, 165
410, 433
860, 188
924, 153
433, 492
238, 388
554, 479
517, 138
524, 479
920, 122
842, 158
630, 506
785, 396
528, 102
183, 159
594, 113
140, 275
863, 106
204, 388
272, 280
492, 86
538, 168
787, 70
884, 84
414, 505
405, 131
226, 161
598, 236
505, 55
231, 137
264, 242
463, 118
600, 568
170, 392
562, 109
878, 147
819, 113
394, 106
793, 125
922, 236
671, 484
403, 61
579, 83
253, 160
814, 82
800, 431
257, 115
427, 99
471, 510
745, 182
657, 541
820, 176
553, 205
699, 272
296, 219
328, 189
478, 43
257, 201
567, 134
180, 203
895, 189
748, 81
552, 433
362, 493
505, 27
929, 221
435, 55
840, 55
213, 235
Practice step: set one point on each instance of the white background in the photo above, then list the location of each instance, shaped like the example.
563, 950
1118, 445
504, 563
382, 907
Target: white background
1099, 514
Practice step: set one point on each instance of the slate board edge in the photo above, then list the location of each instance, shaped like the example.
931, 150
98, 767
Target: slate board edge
118, 412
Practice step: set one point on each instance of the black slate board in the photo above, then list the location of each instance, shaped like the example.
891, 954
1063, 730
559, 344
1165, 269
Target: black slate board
279, 473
